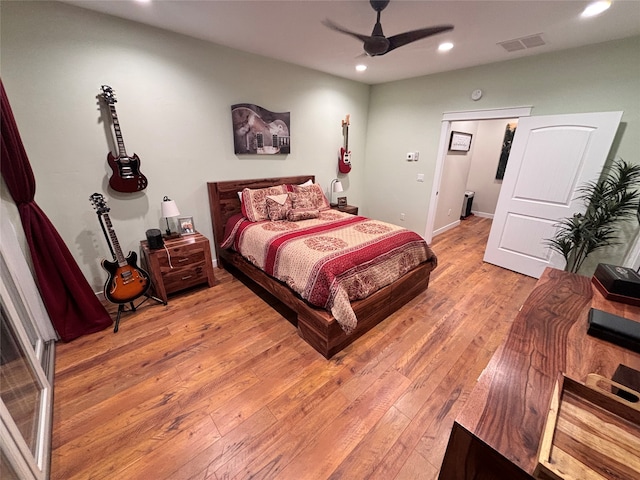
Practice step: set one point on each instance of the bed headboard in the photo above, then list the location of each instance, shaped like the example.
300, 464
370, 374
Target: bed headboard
224, 201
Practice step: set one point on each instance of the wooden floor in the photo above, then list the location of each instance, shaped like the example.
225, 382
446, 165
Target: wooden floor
217, 385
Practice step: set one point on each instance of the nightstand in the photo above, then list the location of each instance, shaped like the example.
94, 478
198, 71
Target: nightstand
353, 210
188, 264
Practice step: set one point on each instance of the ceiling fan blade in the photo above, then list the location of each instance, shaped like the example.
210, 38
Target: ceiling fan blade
404, 38
338, 28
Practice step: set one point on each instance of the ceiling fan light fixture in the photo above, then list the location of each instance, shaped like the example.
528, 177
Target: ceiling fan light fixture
361, 67
377, 43
445, 46
595, 8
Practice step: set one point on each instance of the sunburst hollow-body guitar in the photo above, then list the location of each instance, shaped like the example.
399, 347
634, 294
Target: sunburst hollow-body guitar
126, 281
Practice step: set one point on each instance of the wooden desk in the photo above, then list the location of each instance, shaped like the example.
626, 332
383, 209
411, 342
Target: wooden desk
497, 433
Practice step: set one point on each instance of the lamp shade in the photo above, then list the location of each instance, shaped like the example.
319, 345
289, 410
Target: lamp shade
336, 186
169, 208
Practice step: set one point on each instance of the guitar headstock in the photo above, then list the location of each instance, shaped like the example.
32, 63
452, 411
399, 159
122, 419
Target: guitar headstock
108, 94
99, 203
345, 122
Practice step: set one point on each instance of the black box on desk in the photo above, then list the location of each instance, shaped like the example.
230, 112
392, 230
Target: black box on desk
616, 283
614, 329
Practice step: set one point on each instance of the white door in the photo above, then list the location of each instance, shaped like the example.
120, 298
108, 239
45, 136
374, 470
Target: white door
551, 156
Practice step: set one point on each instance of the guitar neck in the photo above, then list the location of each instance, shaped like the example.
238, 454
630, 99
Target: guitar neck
345, 132
122, 153
346, 137
114, 241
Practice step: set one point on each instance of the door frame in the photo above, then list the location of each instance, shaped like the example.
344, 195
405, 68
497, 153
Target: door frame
633, 258
447, 119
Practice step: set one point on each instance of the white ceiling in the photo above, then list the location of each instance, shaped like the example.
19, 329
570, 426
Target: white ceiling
291, 30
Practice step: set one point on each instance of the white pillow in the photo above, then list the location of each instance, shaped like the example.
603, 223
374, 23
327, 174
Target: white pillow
280, 199
307, 183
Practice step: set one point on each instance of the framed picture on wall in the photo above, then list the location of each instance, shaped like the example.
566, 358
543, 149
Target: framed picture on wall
509, 133
460, 142
259, 131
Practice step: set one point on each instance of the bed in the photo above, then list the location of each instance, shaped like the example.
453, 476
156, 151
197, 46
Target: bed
317, 325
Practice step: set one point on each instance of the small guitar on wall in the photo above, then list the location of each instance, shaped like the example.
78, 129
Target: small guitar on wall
126, 280
344, 157
126, 177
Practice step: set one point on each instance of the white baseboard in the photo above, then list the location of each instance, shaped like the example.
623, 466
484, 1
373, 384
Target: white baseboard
482, 214
446, 227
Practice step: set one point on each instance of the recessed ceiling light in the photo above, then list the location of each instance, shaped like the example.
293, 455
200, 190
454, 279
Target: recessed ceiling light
445, 47
596, 8
361, 68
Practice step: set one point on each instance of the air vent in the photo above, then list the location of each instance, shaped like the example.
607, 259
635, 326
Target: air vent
523, 43
512, 45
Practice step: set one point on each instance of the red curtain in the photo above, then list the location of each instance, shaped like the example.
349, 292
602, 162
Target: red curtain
73, 307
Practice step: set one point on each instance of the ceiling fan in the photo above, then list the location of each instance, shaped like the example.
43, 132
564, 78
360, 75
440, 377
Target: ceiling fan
377, 44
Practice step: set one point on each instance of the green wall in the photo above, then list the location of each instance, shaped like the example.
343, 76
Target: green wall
406, 116
175, 94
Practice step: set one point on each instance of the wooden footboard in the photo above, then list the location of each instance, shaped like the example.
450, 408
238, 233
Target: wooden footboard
315, 325
322, 331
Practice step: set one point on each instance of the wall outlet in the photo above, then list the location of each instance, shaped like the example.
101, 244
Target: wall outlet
402, 217
420, 177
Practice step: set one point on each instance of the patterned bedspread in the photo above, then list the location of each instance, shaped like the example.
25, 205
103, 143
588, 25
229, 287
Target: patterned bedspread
331, 260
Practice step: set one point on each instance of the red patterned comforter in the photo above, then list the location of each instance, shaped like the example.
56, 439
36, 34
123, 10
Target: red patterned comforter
331, 260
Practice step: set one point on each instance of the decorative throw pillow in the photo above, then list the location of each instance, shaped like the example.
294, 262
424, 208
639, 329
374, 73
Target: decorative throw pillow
305, 184
278, 206
297, 214
302, 200
254, 202
318, 197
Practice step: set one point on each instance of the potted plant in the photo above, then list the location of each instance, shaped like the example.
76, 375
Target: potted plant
611, 199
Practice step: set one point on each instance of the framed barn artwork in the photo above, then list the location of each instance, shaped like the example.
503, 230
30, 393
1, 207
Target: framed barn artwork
258, 131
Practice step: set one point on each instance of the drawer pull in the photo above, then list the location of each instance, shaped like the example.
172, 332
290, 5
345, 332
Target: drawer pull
183, 260
187, 277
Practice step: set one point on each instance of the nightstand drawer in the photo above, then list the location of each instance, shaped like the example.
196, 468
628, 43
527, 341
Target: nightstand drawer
181, 278
180, 256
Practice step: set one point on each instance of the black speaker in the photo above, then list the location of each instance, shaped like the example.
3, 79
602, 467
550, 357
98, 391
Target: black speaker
154, 238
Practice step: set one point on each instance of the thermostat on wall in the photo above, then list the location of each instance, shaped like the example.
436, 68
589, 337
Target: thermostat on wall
476, 94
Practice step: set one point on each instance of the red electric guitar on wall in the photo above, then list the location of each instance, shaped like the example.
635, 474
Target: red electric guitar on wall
126, 177
344, 158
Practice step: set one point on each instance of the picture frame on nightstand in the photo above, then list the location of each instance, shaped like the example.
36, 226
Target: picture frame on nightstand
186, 226
342, 202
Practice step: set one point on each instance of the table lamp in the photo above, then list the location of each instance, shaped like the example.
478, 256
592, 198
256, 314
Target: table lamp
169, 209
336, 187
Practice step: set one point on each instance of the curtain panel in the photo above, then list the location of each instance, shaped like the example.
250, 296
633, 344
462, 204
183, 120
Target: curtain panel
72, 305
